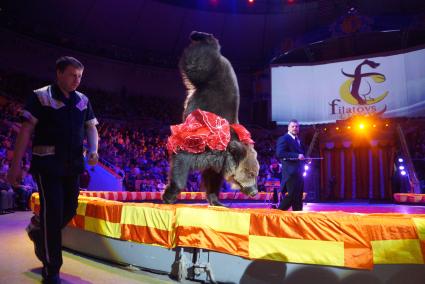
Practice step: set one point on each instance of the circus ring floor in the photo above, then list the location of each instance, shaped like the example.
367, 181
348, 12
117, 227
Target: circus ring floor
326, 243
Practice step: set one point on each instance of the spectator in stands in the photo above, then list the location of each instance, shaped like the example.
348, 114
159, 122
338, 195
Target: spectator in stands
3, 152
160, 186
4, 166
225, 187
7, 196
145, 148
63, 116
275, 169
24, 189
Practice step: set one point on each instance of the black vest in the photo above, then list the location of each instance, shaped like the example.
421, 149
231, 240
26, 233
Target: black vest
59, 133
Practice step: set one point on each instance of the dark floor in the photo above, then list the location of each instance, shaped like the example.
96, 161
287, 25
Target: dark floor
18, 264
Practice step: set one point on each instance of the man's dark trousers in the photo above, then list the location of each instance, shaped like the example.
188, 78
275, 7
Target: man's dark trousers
58, 205
294, 197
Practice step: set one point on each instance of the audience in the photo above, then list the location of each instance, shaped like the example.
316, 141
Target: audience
133, 134
7, 196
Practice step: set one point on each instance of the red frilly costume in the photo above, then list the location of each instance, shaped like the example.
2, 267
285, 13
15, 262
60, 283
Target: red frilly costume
203, 129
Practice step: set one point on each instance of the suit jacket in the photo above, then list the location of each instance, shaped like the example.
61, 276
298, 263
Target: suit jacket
286, 148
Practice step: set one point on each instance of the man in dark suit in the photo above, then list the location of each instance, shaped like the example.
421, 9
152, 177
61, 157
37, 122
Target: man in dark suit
290, 150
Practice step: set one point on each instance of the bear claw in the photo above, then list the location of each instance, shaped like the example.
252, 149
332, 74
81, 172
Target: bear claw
168, 198
213, 200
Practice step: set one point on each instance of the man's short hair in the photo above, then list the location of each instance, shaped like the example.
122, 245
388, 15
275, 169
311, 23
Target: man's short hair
66, 61
293, 121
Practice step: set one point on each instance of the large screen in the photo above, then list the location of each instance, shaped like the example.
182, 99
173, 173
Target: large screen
390, 86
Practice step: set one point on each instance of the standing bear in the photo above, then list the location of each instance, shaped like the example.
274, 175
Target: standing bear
210, 139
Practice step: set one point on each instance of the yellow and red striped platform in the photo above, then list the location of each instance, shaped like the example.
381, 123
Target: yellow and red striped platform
186, 196
416, 198
338, 239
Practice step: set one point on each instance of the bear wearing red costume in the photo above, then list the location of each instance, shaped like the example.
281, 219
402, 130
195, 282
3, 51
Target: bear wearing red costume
210, 138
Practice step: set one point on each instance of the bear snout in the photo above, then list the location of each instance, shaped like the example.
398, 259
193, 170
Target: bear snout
250, 190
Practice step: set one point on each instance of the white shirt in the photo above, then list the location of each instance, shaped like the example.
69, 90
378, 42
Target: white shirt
294, 137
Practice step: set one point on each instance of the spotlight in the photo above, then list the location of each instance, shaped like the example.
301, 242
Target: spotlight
306, 167
361, 126
374, 126
304, 174
251, 1
337, 128
403, 173
386, 124
352, 11
401, 168
348, 127
400, 160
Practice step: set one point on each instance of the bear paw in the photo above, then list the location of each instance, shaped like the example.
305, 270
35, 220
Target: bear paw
213, 200
169, 198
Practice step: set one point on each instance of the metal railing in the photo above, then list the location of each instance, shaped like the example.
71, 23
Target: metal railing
413, 179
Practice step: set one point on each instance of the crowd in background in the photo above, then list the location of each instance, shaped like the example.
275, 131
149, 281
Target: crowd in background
133, 134
111, 106
140, 155
16, 196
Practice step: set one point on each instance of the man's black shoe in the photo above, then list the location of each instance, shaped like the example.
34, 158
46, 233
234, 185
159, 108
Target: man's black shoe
51, 279
35, 236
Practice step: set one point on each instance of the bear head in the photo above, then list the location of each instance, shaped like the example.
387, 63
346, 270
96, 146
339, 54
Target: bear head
242, 167
205, 39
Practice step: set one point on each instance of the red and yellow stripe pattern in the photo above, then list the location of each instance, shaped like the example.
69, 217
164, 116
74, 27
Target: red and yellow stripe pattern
146, 196
322, 238
409, 198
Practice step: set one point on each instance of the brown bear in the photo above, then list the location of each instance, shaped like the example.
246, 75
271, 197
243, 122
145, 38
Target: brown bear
211, 138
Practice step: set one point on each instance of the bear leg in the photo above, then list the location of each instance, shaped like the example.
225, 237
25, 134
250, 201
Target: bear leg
212, 182
179, 170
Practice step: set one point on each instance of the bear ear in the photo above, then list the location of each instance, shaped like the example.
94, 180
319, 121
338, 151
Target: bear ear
199, 36
237, 150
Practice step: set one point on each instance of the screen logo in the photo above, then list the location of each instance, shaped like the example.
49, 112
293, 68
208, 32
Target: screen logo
360, 103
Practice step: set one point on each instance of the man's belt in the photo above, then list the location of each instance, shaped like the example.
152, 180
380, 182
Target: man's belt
43, 150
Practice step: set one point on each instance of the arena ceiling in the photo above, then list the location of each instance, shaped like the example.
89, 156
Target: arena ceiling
156, 31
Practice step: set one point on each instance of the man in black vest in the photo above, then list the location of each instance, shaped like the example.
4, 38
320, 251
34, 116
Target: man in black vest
60, 117
290, 150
